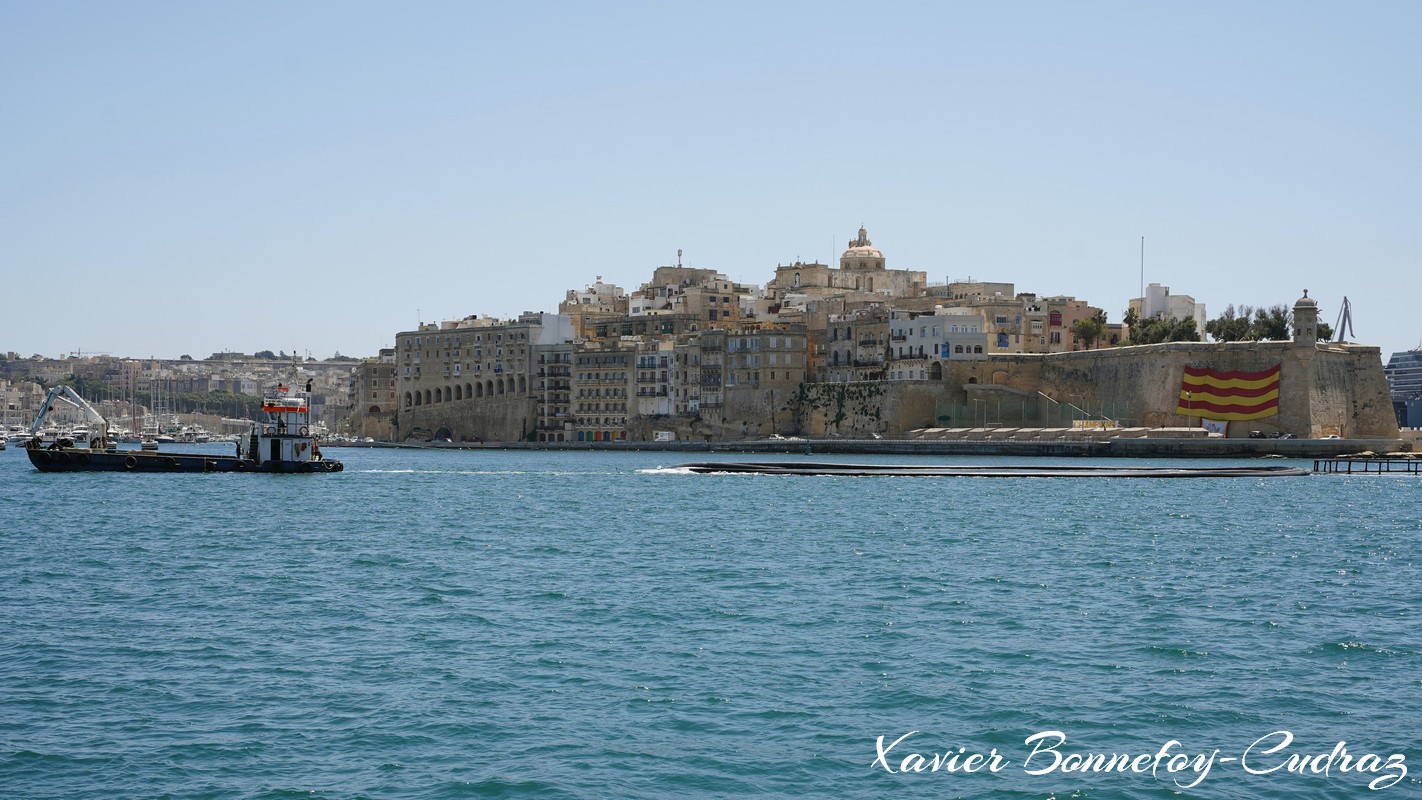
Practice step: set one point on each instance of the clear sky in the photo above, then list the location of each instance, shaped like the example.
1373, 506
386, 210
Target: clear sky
182, 178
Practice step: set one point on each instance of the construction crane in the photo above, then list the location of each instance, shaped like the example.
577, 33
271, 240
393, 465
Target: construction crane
1345, 322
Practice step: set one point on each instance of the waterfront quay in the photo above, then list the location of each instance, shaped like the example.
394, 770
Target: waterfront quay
1153, 447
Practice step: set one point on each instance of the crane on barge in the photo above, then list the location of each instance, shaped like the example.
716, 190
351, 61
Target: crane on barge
67, 395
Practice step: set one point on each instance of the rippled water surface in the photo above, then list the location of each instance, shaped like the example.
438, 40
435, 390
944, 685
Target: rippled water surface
571, 625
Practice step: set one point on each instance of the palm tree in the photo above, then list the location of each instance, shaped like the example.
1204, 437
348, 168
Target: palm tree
1090, 329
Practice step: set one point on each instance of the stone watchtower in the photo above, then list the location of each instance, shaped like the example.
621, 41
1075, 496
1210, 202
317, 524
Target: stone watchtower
1305, 321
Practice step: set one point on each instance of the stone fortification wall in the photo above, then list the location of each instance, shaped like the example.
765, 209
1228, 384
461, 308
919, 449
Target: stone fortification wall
1349, 393
496, 419
859, 409
1323, 390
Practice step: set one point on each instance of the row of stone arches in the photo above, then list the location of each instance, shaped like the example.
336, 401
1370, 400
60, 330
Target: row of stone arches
494, 387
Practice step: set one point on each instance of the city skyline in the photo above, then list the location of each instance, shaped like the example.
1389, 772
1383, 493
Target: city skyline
318, 178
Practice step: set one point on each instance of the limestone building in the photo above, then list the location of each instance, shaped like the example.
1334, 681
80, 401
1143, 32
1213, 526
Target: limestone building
373, 397
475, 377
862, 269
554, 388
598, 301
1159, 302
602, 383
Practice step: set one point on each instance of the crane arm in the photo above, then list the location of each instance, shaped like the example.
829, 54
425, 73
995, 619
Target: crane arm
71, 397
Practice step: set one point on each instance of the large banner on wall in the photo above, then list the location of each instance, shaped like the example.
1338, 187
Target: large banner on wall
1236, 395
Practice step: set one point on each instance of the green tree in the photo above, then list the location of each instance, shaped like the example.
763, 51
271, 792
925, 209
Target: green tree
1249, 324
1132, 319
1273, 324
1090, 329
1231, 326
1166, 329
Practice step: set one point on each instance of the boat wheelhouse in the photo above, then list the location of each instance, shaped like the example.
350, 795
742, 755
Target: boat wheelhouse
284, 437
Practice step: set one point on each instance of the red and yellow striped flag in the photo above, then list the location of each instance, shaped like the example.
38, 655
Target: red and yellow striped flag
1209, 394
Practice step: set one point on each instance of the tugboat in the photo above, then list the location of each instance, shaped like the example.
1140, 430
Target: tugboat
281, 443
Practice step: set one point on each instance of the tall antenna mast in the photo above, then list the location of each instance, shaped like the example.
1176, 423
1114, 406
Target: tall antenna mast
1142, 273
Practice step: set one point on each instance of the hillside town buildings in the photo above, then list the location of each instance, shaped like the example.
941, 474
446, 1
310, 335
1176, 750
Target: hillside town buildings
693, 353
126, 388
853, 349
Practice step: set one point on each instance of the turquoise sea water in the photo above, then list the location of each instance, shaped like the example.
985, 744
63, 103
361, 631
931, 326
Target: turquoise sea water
570, 625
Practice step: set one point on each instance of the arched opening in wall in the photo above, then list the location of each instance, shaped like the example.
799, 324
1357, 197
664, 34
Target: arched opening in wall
468, 392
458, 392
418, 399
409, 400
522, 385
834, 359
489, 388
427, 397
935, 371
499, 385
999, 376
444, 433
374, 410
448, 394
479, 389
972, 380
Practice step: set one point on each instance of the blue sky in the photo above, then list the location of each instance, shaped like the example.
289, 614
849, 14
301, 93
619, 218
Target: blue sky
313, 177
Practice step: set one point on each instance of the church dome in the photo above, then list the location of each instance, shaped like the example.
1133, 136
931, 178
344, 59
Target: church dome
862, 254
1305, 301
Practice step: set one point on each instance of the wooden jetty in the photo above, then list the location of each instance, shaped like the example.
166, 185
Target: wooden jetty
1367, 465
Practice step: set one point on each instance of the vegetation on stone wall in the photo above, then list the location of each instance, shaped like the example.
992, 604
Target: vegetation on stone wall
1160, 329
1249, 324
838, 401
